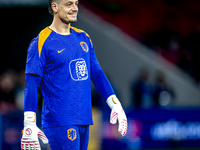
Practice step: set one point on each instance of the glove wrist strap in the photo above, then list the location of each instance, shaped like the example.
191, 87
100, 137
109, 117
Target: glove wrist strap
29, 118
113, 101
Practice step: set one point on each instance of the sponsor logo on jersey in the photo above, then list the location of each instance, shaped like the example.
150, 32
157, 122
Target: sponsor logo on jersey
71, 134
84, 46
78, 69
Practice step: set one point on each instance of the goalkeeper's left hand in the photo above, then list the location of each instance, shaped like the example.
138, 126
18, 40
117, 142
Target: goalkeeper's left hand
117, 114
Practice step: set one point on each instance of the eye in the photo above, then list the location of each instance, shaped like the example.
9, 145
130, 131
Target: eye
68, 4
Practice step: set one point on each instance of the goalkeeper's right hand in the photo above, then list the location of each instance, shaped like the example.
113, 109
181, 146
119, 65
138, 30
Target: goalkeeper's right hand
31, 133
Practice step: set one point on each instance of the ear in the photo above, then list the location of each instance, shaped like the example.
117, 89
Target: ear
54, 7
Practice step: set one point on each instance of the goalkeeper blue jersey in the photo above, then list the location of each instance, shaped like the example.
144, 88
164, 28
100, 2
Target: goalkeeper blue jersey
66, 64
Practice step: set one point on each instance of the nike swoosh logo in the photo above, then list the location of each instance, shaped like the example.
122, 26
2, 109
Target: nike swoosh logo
61, 50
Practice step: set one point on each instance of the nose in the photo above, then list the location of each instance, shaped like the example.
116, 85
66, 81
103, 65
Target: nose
75, 7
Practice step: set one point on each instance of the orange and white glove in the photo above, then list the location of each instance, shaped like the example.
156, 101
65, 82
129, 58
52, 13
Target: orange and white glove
31, 133
117, 114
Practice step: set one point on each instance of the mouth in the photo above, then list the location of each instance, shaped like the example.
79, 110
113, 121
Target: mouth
73, 15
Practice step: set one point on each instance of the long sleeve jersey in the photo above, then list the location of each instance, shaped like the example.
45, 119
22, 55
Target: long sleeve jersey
64, 66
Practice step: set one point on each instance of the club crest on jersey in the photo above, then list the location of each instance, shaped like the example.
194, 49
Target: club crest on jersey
71, 134
84, 46
78, 69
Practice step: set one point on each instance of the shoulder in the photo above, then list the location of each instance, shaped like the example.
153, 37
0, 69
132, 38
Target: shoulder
37, 43
84, 34
79, 31
42, 37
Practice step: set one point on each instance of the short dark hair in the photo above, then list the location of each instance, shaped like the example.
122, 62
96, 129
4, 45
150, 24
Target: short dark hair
50, 9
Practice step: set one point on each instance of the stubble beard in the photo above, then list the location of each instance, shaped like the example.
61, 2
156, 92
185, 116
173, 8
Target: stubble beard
73, 21
69, 21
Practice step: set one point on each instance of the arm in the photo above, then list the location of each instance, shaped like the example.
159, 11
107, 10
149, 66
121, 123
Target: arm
32, 83
35, 64
105, 89
103, 86
31, 132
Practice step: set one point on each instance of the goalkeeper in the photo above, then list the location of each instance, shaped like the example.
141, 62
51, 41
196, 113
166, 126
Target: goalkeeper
61, 62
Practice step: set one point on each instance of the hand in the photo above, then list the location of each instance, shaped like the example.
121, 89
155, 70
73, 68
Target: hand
117, 114
31, 133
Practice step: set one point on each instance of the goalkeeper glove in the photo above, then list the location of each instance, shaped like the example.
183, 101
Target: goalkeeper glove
117, 114
31, 133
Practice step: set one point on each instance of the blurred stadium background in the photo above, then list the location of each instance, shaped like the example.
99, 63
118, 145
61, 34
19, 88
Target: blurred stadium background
149, 50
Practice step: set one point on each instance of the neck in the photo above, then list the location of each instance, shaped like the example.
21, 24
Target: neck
60, 27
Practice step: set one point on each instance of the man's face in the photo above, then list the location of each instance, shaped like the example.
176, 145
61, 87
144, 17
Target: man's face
68, 10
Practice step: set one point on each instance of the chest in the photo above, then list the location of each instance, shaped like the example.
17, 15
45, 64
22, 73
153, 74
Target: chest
62, 51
